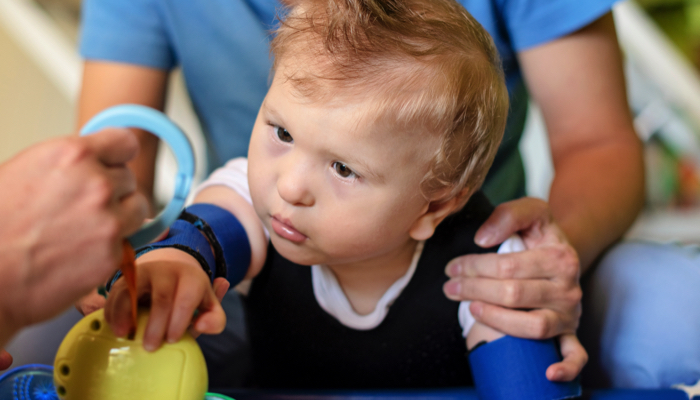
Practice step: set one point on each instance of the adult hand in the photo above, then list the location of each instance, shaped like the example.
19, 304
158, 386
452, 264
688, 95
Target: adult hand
66, 206
531, 294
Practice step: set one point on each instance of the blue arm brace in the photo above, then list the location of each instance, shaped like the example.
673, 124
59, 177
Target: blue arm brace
213, 236
183, 236
510, 368
227, 236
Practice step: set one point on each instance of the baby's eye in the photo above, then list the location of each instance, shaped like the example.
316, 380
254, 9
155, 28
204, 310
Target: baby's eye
343, 171
283, 134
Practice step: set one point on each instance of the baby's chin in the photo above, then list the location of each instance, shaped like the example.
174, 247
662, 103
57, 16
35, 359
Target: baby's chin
308, 253
298, 253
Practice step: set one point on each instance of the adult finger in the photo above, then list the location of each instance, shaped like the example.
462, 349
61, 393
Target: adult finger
538, 263
575, 358
123, 181
512, 293
131, 212
509, 218
5, 360
113, 146
558, 262
529, 324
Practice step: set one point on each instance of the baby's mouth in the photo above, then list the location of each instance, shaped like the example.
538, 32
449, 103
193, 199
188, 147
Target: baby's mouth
284, 229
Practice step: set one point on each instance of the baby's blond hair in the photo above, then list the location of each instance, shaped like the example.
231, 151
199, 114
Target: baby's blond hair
429, 62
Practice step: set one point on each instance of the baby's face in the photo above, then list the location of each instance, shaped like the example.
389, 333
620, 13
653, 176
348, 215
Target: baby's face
331, 185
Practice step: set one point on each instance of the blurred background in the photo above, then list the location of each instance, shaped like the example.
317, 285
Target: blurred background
40, 78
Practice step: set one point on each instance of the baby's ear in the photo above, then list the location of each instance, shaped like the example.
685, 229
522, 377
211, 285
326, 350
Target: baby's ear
436, 211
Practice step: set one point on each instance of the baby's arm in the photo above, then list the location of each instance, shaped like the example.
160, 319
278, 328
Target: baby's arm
481, 333
175, 280
504, 366
244, 212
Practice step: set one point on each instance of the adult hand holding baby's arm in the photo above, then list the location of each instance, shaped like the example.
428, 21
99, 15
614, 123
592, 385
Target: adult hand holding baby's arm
544, 280
174, 285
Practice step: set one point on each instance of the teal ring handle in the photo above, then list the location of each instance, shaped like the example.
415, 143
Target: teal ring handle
155, 122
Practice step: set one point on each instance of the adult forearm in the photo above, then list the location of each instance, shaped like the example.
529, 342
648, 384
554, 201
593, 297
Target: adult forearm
597, 193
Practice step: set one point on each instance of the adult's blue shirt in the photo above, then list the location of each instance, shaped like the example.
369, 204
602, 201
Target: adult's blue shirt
222, 48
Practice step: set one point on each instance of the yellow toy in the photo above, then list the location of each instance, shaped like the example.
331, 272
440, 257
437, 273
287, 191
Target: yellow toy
93, 364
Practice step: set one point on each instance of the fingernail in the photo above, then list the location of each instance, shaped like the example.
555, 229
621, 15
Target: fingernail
484, 239
201, 326
150, 347
557, 375
453, 288
477, 309
454, 270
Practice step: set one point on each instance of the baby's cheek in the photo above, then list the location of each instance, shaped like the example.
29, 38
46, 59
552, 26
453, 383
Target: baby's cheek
356, 232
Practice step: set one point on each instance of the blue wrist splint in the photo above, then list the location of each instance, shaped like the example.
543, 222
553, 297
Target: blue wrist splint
227, 236
509, 368
186, 237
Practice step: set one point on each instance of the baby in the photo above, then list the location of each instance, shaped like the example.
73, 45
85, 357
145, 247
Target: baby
379, 126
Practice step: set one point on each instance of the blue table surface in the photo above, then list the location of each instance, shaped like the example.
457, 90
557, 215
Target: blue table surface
35, 382
444, 394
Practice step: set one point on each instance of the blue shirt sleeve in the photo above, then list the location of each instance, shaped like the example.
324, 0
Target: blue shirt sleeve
129, 31
534, 22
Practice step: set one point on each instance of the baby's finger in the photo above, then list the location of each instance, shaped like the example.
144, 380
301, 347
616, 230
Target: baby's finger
575, 358
90, 303
211, 319
162, 294
187, 299
221, 286
118, 309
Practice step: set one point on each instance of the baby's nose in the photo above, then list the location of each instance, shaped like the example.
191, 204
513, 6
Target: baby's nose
293, 185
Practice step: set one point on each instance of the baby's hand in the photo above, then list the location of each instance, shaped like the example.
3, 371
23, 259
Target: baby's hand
90, 303
175, 285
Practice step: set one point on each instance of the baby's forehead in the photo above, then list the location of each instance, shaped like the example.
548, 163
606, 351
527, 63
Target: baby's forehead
376, 114
393, 101
315, 74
